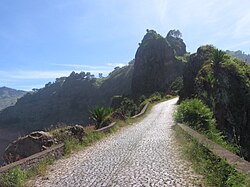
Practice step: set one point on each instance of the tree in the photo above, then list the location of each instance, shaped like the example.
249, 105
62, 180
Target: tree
88, 75
218, 56
100, 75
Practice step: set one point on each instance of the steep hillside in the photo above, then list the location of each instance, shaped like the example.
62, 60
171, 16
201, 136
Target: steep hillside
156, 65
67, 100
223, 84
9, 96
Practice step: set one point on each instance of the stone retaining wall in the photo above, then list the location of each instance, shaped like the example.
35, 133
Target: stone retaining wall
106, 129
55, 152
142, 111
237, 162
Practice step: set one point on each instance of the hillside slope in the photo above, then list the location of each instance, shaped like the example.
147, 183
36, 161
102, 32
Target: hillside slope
67, 100
9, 96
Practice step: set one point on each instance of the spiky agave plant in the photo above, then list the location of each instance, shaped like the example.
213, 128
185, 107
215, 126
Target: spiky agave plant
100, 115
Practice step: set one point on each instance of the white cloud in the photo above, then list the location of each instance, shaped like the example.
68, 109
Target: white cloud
80, 66
115, 64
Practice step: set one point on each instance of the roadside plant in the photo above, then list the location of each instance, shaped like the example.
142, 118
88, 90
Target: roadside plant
100, 115
196, 114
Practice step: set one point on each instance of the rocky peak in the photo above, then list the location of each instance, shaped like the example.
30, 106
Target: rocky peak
175, 41
155, 65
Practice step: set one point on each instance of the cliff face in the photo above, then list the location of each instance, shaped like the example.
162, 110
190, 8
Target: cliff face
192, 68
156, 66
225, 87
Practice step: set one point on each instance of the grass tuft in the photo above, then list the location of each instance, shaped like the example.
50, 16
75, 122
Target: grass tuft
216, 172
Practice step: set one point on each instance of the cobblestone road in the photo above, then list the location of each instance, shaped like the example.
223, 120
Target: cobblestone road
145, 154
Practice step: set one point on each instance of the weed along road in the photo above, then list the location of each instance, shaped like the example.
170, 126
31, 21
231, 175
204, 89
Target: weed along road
144, 154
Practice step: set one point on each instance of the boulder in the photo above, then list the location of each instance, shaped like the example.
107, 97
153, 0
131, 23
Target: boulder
27, 146
76, 131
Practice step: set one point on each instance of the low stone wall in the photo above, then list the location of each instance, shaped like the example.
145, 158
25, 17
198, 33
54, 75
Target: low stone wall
142, 111
237, 162
55, 152
106, 129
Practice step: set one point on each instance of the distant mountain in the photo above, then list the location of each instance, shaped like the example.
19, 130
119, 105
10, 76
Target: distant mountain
9, 96
239, 54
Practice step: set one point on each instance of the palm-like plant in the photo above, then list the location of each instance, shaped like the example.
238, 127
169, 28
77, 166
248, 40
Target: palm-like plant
218, 56
100, 115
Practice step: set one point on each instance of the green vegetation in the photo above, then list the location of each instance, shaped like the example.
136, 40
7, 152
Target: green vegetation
100, 115
17, 177
194, 113
198, 116
216, 172
71, 145
176, 86
223, 84
14, 178
128, 107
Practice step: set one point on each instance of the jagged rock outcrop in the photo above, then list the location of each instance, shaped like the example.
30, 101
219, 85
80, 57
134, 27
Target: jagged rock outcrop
27, 145
174, 39
156, 66
192, 68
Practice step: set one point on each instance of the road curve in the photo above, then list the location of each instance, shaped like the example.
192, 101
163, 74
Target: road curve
144, 154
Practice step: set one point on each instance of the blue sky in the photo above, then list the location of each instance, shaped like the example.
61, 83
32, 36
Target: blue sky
45, 39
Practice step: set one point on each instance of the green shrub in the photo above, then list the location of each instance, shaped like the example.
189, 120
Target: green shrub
196, 114
177, 85
100, 115
13, 178
128, 107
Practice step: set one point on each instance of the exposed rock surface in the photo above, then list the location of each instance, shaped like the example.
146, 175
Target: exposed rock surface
192, 68
145, 154
38, 141
156, 66
28, 145
76, 131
